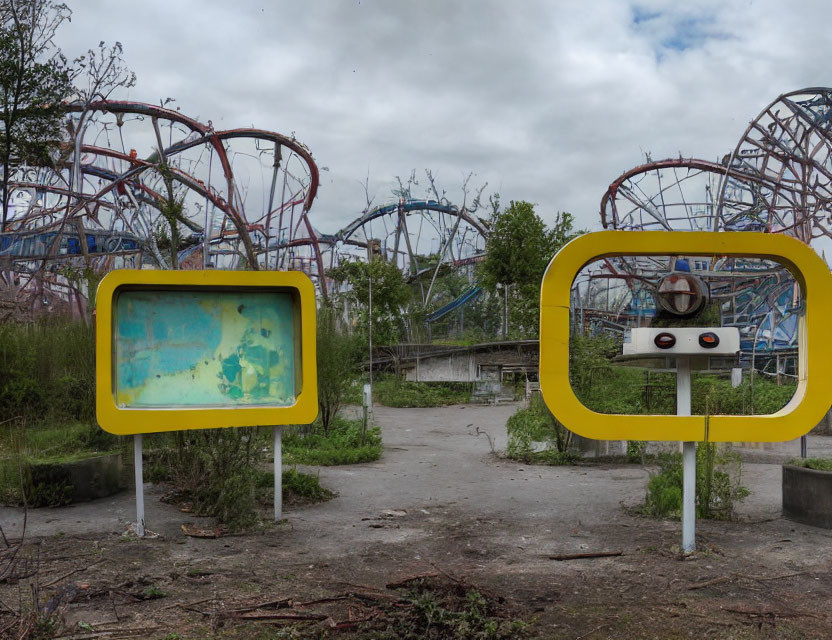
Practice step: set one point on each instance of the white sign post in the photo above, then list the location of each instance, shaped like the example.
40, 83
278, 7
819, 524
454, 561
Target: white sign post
688, 458
683, 344
139, 477
278, 472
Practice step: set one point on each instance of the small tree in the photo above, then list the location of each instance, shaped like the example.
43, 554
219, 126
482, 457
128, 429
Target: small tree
391, 294
34, 82
337, 362
518, 249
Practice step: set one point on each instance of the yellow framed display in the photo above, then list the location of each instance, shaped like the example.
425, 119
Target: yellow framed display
203, 349
807, 406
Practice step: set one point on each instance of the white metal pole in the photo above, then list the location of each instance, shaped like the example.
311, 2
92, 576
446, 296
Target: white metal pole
688, 458
138, 470
278, 473
370, 313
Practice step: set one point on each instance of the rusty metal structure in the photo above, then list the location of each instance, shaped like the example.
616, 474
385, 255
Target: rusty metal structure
128, 174
777, 179
131, 175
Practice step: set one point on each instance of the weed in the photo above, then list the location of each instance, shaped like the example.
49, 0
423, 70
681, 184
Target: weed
537, 424
819, 464
716, 492
393, 391
153, 593
636, 450
453, 611
215, 468
344, 443
298, 488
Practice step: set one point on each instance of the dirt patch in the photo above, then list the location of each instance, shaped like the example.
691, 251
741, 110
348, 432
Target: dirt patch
436, 519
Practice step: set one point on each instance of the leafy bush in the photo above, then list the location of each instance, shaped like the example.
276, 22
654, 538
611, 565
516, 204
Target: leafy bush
537, 424
716, 492
819, 464
344, 443
393, 391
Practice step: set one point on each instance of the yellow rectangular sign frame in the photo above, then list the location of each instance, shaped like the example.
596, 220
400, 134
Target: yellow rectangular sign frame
811, 399
129, 420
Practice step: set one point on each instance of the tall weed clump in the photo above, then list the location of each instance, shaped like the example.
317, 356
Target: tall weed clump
216, 469
48, 371
718, 484
536, 423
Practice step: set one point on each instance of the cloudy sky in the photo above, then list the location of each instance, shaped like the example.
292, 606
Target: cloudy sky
545, 101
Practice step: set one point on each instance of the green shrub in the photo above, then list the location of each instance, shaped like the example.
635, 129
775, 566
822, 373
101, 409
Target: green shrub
48, 371
298, 488
215, 468
344, 443
393, 391
716, 492
537, 424
819, 464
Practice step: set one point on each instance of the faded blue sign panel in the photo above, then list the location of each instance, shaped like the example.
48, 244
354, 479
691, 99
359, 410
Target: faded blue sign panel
204, 348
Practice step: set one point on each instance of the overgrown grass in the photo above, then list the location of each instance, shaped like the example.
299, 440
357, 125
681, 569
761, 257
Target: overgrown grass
298, 488
393, 391
344, 443
615, 389
47, 448
537, 424
716, 490
48, 371
819, 464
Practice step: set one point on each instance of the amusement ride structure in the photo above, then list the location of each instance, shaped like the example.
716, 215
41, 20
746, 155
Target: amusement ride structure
134, 183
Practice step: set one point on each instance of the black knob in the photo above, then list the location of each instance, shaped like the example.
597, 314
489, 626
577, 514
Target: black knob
708, 340
664, 340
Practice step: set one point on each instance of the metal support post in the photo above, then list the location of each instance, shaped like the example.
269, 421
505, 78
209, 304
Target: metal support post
138, 470
688, 458
278, 473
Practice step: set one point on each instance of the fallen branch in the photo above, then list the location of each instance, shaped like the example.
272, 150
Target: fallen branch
709, 583
582, 556
262, 605
281, 616
74, 571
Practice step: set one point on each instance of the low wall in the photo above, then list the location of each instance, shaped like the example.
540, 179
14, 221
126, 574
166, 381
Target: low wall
807, 496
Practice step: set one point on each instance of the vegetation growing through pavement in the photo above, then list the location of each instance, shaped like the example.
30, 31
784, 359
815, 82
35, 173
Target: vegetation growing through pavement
345, 442
215, 469
298, 488
718, 484
536, 423
394, 391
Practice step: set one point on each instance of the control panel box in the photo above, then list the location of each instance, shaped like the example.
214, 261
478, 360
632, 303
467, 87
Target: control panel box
682, 341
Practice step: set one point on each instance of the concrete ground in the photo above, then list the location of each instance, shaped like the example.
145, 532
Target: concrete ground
439, 499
